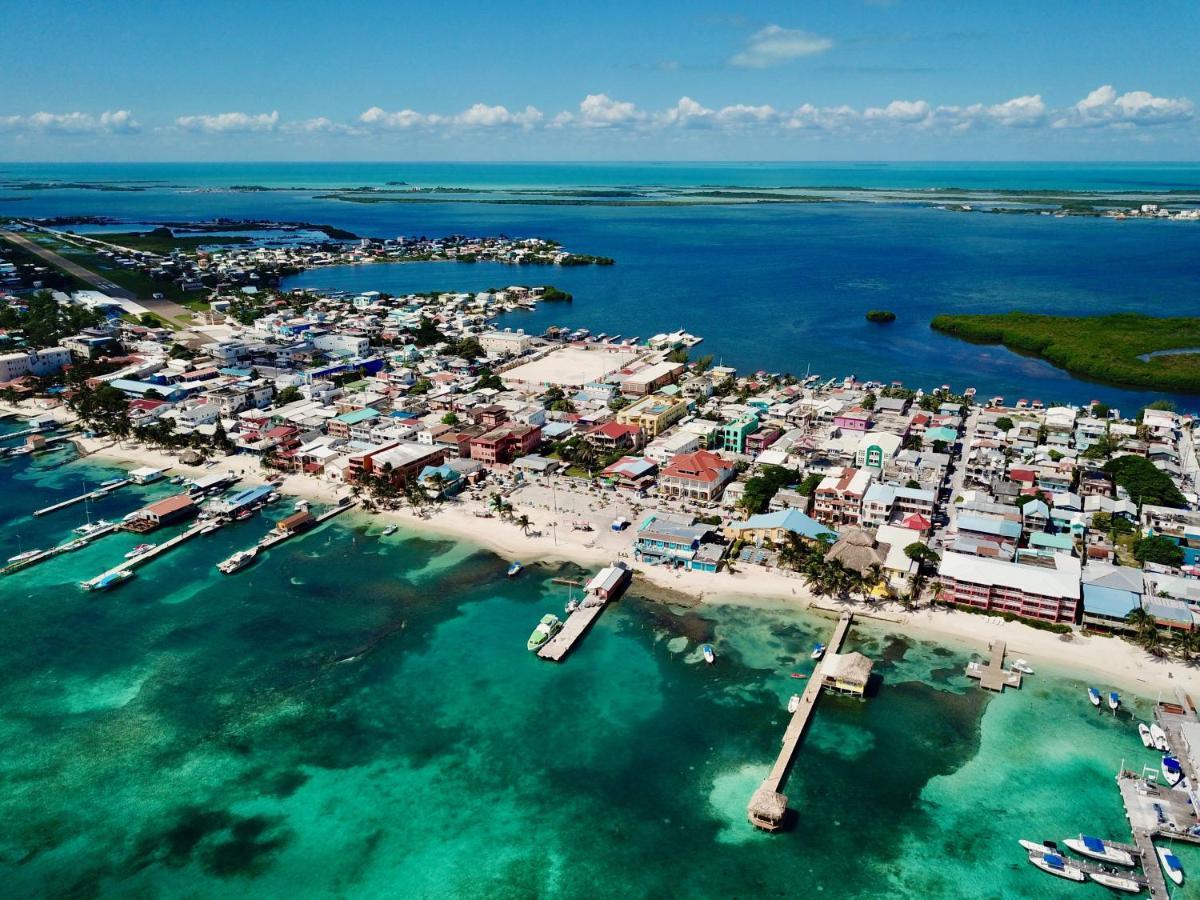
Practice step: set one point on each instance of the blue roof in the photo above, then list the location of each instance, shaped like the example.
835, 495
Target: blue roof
1110, 602
1002, 527
791, 519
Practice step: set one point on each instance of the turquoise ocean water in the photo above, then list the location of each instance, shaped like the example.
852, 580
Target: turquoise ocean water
358, 716
777, 287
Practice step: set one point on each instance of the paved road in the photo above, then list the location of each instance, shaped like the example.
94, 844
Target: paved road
173, 312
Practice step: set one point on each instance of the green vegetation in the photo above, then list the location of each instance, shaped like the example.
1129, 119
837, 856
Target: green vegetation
553, 295
1145, 482
1158, 549
1104, 348
162, 241
1004, 423
881, 316
762, 487
45, 322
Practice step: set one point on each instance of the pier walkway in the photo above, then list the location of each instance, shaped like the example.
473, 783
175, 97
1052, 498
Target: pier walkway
605, 587
75, 544
768, 806
573, 629
144, 558
97, 494
993, 676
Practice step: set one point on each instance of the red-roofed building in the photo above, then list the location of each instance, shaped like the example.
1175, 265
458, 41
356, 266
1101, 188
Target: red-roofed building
700, 476
614, 436
916, 522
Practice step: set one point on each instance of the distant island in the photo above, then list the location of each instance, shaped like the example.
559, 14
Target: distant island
1128, 349
881, 316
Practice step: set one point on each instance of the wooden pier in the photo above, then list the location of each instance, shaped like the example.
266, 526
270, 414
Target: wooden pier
74, 544
142, 559
606, 586
768, 806
91, 495
993, 676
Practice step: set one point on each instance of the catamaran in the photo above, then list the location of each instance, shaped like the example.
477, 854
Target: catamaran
1171, 865
546, 629
1146, 736
91, 528
1114, 700
1117, 881
1094, 697
1160, 738
1085, 845
1056, 865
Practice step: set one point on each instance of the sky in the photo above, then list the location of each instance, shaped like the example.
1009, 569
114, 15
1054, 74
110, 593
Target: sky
520, 80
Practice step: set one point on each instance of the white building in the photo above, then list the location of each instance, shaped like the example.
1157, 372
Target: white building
33, 362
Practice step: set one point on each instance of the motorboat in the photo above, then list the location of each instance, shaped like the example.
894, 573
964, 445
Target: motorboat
237, 562
108, 581
77, 544
1118, 881
391, 529
1085, 845
1172, 771
211, 526
1056, 865
112, 482
817, 652
799, 675
1146, 736
794, 703
1114, 701
21, 557
1171, 865
709, 656
243, 515
1094, 697
139, 550
1160, 738
1022, 666
1035, 847
547, 628
514, 569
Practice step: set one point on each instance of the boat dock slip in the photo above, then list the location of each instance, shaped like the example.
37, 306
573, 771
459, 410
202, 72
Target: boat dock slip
993, 676
280, 534
606, 585
144, 558
768, 806
91, 495
55, 551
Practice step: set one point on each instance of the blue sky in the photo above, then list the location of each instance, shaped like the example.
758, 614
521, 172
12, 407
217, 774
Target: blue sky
861, 79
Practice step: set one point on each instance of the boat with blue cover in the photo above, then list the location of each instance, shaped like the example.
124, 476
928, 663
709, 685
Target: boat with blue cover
1055, 864
1086, 845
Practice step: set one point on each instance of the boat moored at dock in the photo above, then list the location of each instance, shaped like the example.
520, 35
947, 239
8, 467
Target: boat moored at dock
1146, 736
793, 703
1171, 865
139, 550
1160, 738
1118, 881
1094, 697
1171, 770
1054, 864
817, 652
109, 581
21, 557
1086, 845
546, 629
1022, 666
238, 561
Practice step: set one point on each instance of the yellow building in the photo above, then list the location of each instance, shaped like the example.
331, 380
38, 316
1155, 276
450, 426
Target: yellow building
847, 672
653, 414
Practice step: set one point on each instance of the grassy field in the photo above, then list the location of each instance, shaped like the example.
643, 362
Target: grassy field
141, 284
1103, 348
161, 241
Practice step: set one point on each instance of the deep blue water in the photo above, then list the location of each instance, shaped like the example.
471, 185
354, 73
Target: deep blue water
774, 287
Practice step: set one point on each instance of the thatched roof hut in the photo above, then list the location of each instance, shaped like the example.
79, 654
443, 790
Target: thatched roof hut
856, 550
767, 809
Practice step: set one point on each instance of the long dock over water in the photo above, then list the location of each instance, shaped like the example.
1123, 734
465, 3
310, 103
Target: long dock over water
768, 806
143, 558
97, 494
74, 544
605, 587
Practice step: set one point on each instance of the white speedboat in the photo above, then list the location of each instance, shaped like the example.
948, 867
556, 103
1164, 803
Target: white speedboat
515, 569
1160, 738
1085, 845
139, 550
1114, 701
794, 703
709, 656
1022, 666
1035, 847
1171, 865
1056, 865
1172, 771
1117, 881
21, 557
817, 652
391, 529
1146, 736
1094, 697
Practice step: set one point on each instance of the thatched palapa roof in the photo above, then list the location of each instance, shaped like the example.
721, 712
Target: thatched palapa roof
856, 550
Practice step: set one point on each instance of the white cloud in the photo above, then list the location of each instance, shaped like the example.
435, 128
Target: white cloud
907, 112
404, 119
119, 121
229, 123
601, 111
773, 46
1103, 107
481, 115
1019, 112
688, 113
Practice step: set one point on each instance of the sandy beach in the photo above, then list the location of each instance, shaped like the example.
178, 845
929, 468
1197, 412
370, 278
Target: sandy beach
1109, 661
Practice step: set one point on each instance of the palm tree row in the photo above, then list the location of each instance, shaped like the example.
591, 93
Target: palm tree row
1184, 644
825, 577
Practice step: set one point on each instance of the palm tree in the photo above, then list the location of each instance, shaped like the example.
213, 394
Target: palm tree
497, 504
524, 521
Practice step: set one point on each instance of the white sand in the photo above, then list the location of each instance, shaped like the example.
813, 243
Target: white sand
1109, 661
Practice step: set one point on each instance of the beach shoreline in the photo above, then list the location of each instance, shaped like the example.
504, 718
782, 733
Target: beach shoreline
1111, 661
